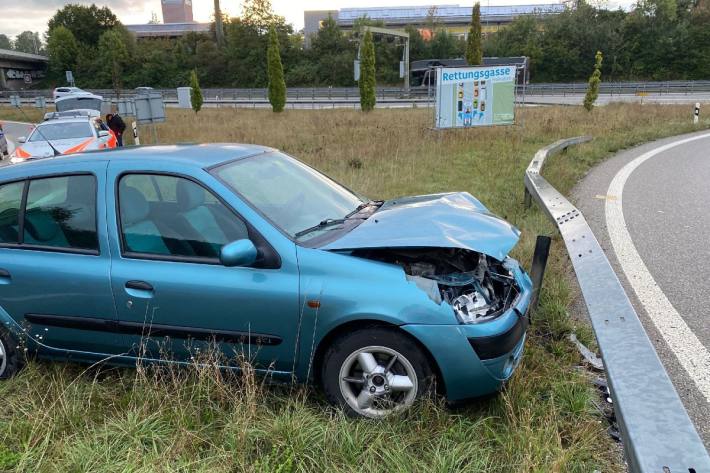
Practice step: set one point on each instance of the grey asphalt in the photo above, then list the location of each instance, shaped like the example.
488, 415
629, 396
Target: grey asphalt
666, 203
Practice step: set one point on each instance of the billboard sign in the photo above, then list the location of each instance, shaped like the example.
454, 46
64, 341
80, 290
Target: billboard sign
475, 96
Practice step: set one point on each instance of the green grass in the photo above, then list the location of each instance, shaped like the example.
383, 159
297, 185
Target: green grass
62, 417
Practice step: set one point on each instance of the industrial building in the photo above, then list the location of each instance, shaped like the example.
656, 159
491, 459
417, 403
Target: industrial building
453, 18
176, 11
177, 21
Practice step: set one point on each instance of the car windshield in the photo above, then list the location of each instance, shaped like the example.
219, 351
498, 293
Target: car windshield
292, 195
61, 131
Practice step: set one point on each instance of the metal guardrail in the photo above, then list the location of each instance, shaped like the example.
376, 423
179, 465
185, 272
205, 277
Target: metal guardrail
657, 433
227, 95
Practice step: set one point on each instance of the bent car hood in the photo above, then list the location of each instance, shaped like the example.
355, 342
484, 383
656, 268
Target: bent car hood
455, 220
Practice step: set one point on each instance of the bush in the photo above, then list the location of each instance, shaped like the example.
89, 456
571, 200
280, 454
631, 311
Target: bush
367, 74
594, 81
195, 92
277, 86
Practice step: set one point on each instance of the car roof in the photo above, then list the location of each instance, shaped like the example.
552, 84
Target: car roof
197, 155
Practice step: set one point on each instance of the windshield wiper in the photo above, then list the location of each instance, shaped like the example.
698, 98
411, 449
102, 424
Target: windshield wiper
322, 224
336, 221
364, 205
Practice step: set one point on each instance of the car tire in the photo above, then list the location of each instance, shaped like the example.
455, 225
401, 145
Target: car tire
374, 372
11, 359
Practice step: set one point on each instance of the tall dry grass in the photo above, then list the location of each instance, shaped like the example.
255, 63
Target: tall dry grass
58, 417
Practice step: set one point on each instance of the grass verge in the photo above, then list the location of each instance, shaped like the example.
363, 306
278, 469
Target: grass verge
60, 417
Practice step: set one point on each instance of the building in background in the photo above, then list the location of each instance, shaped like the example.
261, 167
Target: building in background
177, 11
19, 70
454, 19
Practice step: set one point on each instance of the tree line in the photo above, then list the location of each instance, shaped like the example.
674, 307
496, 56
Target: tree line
656, 40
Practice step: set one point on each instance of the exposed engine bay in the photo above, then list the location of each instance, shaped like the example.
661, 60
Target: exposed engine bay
478, 287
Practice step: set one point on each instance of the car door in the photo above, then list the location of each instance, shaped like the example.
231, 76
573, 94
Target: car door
174, 298
54, 261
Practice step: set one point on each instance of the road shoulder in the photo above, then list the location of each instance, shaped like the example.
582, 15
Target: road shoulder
590, 197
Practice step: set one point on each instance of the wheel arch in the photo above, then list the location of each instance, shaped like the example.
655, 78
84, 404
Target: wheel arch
361, 324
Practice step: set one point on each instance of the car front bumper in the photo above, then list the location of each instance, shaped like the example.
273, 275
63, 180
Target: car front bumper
477, 359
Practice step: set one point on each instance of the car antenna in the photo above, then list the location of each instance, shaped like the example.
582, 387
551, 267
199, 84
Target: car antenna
56, 152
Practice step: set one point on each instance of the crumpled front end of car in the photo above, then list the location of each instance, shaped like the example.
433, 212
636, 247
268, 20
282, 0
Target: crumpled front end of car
489, 298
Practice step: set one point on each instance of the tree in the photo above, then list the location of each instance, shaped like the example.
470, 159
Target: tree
259, 13
474, 53
28, 42
113, 58
195, 92
86, 23
443, 46
594, 81
367, 74
5, 42
332, 56
218, 26
63, 51
277, 86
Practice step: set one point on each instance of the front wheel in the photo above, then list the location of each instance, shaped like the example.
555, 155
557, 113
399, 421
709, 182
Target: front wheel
375, 372
10, 357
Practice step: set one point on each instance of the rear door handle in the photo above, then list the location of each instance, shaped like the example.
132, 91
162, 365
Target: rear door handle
4, 273
140, 285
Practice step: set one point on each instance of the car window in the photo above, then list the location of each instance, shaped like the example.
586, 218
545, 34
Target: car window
61, 212
61, 131
173, 216
291, 194
10, 199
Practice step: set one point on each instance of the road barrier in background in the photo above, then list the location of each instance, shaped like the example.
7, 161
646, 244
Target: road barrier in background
423, 93
657, 433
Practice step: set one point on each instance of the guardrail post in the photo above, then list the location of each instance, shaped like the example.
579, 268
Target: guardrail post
537, 269
527, 199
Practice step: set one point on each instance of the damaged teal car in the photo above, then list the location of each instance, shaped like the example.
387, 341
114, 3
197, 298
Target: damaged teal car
158, 253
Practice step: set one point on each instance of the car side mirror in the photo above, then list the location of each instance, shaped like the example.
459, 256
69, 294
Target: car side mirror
22, 139
238, 253
103, 133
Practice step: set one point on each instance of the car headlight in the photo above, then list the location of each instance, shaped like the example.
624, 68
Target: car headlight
15, 160
473, 308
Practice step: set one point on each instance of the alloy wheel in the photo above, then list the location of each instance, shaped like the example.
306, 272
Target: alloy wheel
376, 381
3, 358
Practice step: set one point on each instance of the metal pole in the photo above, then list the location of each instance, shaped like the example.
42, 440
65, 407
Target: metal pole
537, 269
406, 67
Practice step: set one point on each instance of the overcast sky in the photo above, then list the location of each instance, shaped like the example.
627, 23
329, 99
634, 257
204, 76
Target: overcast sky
20, 15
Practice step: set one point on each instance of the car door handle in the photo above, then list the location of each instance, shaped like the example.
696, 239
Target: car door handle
140, 285
5, 277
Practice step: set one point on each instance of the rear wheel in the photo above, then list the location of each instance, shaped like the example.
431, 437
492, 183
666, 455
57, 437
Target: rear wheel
375, 372
10, 358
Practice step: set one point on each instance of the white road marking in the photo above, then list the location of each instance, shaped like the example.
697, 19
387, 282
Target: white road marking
689, 351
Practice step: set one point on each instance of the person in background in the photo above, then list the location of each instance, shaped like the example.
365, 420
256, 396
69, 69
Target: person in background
116, 124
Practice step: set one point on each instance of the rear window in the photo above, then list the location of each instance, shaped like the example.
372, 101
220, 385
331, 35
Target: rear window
62, 131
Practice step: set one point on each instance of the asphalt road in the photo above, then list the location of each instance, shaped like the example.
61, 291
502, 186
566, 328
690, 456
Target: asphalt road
665, 198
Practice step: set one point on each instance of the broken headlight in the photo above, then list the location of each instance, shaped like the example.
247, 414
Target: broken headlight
473, 308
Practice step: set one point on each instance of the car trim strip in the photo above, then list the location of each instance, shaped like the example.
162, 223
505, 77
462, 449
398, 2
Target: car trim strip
153, 330
495, 346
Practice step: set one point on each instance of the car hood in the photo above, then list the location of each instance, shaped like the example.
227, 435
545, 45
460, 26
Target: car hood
454, 220
40, 149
